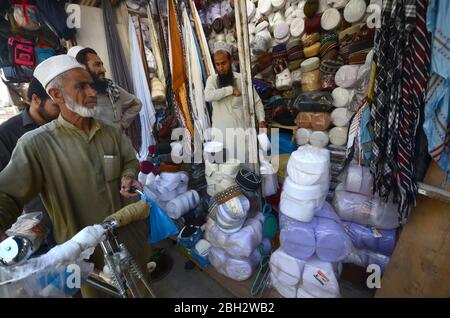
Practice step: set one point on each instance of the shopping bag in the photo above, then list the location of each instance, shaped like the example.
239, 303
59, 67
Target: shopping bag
161, 225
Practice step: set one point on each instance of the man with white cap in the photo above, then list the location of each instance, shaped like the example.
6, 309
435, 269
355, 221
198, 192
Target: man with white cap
115, 104
224, 91
78, 164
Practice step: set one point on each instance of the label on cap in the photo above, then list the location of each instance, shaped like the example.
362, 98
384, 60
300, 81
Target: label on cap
376, 232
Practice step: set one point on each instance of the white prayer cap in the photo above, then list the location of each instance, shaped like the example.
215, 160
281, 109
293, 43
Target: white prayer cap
74, 50
54, 66
222, 46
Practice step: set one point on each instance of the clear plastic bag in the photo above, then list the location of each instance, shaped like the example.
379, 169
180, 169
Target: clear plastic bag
236, 269
30, 226
361, 209
371, 238
364, 258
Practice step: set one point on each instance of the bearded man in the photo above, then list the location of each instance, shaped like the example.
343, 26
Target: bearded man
114, 103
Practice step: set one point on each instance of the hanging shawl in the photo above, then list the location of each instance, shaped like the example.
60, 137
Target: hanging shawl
156, 44
147, 113
195, 82
178, 67
395, 110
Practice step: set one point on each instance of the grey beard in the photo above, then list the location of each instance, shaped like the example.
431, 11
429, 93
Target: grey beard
80, 109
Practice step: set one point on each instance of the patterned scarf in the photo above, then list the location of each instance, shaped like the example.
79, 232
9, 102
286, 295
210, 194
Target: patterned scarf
112, 90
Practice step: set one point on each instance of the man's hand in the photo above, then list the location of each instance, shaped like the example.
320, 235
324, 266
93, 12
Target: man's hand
262, 124
236, 91
127, 183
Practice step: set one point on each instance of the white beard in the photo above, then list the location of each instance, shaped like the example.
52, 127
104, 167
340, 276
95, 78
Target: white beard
80, 109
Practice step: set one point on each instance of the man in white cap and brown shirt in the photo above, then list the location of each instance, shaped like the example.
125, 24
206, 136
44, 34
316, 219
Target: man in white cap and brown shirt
78, 164
115, 104
224, 91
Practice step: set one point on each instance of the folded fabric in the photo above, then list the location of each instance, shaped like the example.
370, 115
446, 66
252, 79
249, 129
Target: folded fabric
371, 238
182, 204
365, 210
319, 139
221, 176
286, 271
338, 135
297, 239
347, 76
364, 258
311, 81
240, 244
358, 179
236, 269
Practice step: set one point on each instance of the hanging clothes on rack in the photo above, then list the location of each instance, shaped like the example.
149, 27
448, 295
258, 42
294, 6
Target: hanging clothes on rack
147, 113
195, 83
402, 63
178, 68
156, 46
437, 109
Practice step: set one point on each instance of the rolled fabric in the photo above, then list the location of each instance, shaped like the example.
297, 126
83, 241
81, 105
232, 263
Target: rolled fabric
319, 139
287, 271
347, 76
302, 136
320, 121
311, 81
363, 258
332, 242
236, 269
338, 135
341, 117
319, 279
312, 25
182, 204
358, 179
371, 238
297, 238
312, 50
